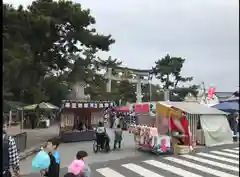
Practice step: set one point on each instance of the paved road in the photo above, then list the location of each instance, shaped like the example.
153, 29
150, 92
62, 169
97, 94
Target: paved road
35, 136
68, 152
222, 161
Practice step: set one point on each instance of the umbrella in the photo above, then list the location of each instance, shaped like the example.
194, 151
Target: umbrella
227, 106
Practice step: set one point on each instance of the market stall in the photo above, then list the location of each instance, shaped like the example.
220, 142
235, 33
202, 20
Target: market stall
144, 113
168, 133
39, 115
208, 126
174, 123
79, 118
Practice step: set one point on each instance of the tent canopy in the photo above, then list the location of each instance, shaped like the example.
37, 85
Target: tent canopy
232, 99
166, 109
42, 105
227, 106
10, 105
213, 121
194, 108
216, 130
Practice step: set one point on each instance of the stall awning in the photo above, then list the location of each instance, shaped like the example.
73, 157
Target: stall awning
193, 108
122, 109
165, 108
227, 106
30, 107
42, 105
12, 105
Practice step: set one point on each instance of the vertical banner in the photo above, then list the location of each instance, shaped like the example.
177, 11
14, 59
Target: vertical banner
211, 92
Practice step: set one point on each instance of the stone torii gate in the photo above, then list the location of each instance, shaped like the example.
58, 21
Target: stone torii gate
138, 80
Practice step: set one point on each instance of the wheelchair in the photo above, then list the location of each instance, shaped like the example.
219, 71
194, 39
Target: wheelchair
97, 147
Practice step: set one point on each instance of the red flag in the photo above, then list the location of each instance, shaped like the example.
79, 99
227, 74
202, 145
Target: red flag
211, 92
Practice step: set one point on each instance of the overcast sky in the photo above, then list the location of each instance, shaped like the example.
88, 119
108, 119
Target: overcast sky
205, 32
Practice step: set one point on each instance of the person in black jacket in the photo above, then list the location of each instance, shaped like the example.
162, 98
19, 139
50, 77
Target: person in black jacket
10, 156
54, 168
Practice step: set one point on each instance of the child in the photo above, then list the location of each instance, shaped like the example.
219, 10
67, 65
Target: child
51, 148
86, 172
76, 166
69, 175
118, 137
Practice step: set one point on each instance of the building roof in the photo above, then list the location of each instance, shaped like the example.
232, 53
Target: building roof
194, 108
12, 105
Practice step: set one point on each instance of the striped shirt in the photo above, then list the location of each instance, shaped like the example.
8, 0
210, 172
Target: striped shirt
13, 154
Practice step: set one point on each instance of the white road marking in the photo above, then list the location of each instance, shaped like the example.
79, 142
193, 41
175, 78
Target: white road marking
218, 157
108, 172
225, 154
217, 164
199, 167
140, 170
231, 151
170, 168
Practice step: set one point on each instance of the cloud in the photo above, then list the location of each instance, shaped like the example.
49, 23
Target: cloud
204, 32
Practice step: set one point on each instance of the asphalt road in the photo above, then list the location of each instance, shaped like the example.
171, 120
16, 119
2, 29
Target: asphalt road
68, 152
221, 161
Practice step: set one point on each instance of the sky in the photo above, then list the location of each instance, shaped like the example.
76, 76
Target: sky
204, 32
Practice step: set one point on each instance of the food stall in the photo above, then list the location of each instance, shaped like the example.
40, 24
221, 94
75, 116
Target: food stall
174, 123
144, 113
79, 118
169, 134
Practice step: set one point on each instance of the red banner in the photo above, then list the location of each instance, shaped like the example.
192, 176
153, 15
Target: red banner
141, 108
211, 92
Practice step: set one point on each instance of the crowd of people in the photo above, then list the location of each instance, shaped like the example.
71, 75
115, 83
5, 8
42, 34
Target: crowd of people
122, 119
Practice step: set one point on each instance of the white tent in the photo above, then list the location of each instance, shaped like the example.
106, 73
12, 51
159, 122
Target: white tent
214, 124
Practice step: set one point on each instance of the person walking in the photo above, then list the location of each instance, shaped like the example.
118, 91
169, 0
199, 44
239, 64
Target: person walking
118, 137
10, 156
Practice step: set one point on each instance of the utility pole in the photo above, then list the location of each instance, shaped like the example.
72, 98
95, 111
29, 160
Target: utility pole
166, 95
150, 91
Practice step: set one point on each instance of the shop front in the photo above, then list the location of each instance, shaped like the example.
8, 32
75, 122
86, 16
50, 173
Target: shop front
79, 118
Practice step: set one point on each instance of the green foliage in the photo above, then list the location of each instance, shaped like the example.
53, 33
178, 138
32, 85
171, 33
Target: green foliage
46, 38
127, 91
51, 45
168, 71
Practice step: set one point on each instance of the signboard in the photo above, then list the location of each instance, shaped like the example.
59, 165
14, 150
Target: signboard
141, 108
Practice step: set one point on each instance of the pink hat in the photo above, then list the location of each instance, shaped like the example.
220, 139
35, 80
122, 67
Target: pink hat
76, 167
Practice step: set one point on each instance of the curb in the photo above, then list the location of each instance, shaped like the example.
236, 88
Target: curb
31, 151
